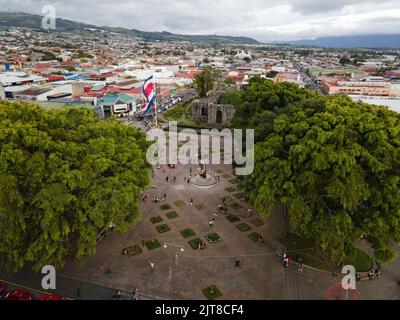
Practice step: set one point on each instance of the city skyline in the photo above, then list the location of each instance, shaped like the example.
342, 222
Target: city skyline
264, 21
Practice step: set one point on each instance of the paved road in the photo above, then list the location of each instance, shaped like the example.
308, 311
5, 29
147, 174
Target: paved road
67, 287
307, 79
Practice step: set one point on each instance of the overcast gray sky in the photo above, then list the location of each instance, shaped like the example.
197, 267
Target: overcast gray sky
264, 20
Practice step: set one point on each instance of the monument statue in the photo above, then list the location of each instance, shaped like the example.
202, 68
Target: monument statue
202, 167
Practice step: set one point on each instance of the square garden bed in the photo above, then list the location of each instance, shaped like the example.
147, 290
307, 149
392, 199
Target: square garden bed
213, 238
195, 243
179, 203
172, 215
163, 228
187, 233
132, 251
212, 292
257, 222
230, 189
239, 196
156, 220
200, 206
243, 227
232, 218
255, 237
236, 206
153, 244
165, 207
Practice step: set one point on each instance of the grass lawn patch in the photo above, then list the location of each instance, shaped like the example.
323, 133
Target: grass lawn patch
152, 244
234, 181
232, 218
156, 220
212, 292
226, 176
163, 228
133, 251
200, 206
219, 171
187, 233
310, 253
243, 227
195, 243
172, 215
360, 260
179, 203
257, 222
236, 206
230, 189
255, 237
165, 207
213, 238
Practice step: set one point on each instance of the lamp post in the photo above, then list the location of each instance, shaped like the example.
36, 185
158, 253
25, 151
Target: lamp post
174, 264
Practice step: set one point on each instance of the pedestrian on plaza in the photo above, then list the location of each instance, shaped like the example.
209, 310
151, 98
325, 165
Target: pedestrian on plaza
190, 170
184, 179
152, 265
167, 179
237, 263
174, 178
165, 196
78, 292
188, 181
117, 295
191, 202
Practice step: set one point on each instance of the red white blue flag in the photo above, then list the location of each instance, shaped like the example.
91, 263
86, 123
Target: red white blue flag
148, 94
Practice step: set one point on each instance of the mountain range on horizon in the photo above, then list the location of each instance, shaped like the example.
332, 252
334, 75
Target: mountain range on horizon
33, 21
390, 41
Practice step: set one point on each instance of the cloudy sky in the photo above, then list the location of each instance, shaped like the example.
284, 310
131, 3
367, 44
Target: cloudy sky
264, 20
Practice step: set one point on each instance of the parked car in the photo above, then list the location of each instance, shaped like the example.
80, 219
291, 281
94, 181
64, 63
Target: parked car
52, 297
3, 290
21, 295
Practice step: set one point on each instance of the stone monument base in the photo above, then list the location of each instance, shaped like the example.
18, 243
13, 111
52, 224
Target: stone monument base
204, 183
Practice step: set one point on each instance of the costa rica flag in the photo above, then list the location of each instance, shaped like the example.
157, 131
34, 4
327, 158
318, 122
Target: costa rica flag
148, 94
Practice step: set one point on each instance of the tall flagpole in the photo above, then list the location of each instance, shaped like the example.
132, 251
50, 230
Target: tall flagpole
155, 106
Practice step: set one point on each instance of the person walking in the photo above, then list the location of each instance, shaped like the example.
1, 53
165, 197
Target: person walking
237, 263
167, 179
191, 202
174, 179
117, 295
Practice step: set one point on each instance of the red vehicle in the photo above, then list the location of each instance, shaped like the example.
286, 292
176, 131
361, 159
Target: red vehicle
3, 290
52, 297
21, 295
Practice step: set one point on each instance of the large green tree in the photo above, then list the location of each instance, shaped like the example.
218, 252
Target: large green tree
64, 177
261, 102
335, 164
205, 81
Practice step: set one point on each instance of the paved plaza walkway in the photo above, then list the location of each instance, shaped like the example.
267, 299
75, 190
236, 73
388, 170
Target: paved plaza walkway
183, 275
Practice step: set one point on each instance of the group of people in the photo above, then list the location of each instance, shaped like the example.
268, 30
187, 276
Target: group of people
133, 296
287, 261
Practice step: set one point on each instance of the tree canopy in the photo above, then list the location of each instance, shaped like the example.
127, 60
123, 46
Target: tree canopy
205, 81
64, 177
335, 164
261, 102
